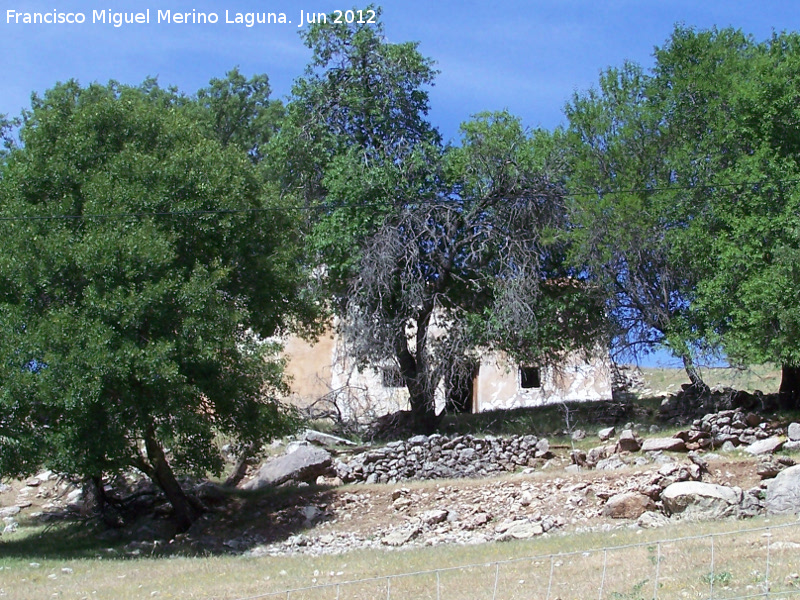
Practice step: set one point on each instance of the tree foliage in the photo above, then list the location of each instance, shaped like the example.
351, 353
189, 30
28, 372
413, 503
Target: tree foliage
139, 257
686, 194
427, 252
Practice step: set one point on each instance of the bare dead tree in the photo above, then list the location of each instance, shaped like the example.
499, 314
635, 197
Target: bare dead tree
473, 266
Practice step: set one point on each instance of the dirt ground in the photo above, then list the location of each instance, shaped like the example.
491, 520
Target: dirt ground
337, 519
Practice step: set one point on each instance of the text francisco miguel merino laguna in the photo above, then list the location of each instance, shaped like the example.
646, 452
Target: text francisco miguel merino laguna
194, 17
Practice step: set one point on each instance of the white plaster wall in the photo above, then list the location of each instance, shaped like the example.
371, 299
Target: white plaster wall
499, 385
324, 369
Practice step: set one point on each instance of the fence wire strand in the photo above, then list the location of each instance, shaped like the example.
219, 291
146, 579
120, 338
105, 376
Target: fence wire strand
767, 533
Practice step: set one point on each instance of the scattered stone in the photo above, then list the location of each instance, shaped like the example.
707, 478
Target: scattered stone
322, 480
33, 482
606, 434
9, 511
401, 537
765, 446
794, 432
791, 446
578, 435
695, 500
664, 445
325, 439
310, 514
434, 517
304, 464
783, 492
652, 520
628, 442
476, 520
610, 464
630, 505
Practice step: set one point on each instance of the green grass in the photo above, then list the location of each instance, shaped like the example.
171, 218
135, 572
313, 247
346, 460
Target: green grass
579, 568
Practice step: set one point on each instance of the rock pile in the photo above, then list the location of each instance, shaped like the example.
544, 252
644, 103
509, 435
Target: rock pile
732, 427
691, 402
442, 457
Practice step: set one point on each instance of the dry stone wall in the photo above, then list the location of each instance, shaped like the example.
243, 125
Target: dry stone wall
442, 457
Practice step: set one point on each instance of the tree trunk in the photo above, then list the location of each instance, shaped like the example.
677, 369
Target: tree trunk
96, 500
421, 398
184, 511
240, 469
414, 369
789, 392
423, 410
694, 376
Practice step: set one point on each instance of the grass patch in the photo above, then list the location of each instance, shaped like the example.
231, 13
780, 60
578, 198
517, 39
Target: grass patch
579, 566
766, 378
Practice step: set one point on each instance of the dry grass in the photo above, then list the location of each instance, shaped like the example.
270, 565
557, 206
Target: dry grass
684, 570
766, 378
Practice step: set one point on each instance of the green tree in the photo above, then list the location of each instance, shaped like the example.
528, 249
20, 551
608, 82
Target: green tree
427, 253
627, 214
736, 101
139, 259
692, 172
241, 111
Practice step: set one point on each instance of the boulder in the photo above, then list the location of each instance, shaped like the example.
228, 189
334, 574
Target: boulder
695, 500
610, 464
325, 439
794, 432
578, 435
792, 446
628, 442
652, 520
9, 511
769, 466
606, 434
304, 464
542, 448
518, 530
664, 445
630, 505
783, 492
765, 446
401, 537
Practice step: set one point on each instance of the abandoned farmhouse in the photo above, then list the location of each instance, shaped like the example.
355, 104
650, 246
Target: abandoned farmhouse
323, 370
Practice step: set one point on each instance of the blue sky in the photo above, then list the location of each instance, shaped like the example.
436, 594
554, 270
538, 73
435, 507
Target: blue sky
527, 57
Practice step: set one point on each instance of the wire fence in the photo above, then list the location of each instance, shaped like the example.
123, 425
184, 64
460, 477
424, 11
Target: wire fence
759, 562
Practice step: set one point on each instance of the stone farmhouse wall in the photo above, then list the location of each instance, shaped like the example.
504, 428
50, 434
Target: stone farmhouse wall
323, 370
